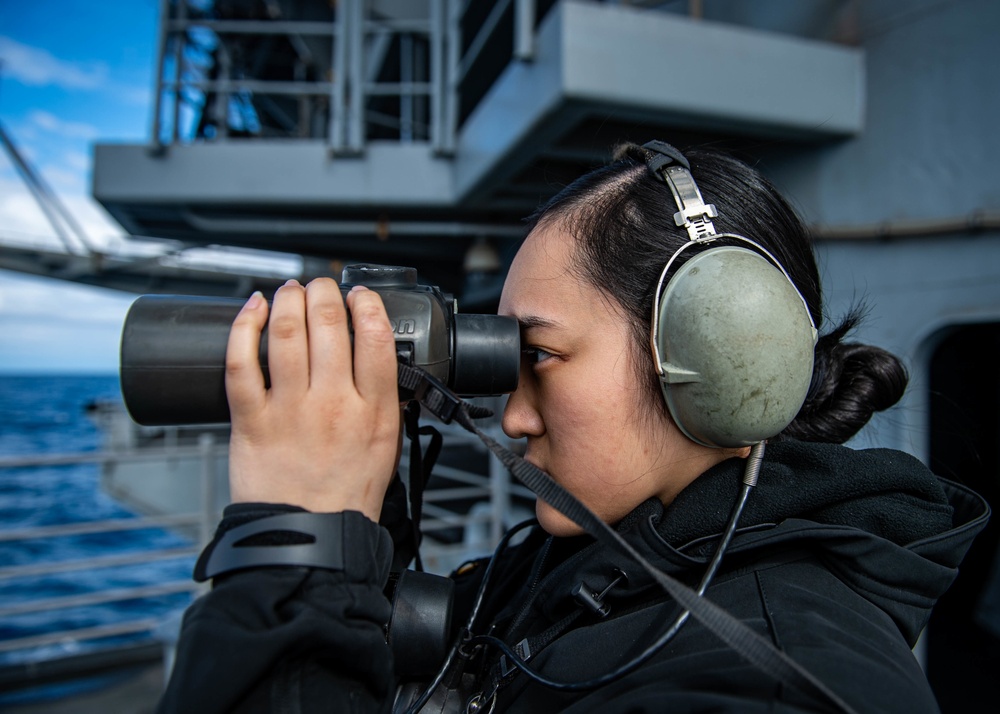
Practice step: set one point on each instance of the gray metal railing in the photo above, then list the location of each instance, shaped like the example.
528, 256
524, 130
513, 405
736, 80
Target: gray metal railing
201, 521
202, 71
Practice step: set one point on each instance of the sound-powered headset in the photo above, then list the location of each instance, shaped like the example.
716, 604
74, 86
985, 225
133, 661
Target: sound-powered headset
731, 336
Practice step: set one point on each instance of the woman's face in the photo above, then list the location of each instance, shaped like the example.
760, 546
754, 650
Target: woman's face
579, 402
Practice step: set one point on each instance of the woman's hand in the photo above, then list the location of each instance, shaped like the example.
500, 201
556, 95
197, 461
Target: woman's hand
325, 436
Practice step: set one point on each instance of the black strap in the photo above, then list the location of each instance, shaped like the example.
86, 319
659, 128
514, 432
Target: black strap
757, 650
439, 400
322, 531
421, 465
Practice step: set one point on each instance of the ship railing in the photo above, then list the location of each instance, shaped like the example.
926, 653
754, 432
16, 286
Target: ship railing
125, 565
207, 90
481, 526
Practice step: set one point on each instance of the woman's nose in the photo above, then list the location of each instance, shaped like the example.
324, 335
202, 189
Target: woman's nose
520, 417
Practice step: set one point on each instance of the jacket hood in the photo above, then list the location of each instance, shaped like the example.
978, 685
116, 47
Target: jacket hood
878, 518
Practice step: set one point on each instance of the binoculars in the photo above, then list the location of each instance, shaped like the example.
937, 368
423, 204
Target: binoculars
173, 348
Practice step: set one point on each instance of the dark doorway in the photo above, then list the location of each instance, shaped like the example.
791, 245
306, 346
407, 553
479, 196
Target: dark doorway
963, 655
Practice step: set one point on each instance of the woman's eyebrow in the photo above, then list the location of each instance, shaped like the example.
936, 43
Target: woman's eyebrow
527, 321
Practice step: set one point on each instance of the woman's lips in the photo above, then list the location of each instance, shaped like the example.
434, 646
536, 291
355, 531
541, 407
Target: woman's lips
535, 463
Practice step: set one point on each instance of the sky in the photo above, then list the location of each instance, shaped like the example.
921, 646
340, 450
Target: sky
72, 73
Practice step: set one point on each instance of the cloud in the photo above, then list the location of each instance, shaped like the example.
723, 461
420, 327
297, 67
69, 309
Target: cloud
42, 304
137, 96
23, 139
93, 218
64, 180
22, 221
38, 67
19, 214
58, 327
70, 129
78, 161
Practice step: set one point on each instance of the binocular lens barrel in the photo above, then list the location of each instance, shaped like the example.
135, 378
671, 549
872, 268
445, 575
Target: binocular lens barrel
173, 357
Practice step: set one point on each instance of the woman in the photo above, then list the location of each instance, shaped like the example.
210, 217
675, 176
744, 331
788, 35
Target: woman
838, 558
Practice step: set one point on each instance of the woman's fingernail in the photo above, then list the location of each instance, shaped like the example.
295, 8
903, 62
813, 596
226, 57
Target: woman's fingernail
292, 281
358, 288
255, 300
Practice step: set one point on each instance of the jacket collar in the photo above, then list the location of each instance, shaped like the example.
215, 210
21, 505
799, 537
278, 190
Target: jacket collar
881, 521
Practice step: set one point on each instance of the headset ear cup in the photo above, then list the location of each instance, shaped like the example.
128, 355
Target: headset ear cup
736, 344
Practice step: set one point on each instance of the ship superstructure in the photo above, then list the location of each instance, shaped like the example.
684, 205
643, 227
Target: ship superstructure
423, 132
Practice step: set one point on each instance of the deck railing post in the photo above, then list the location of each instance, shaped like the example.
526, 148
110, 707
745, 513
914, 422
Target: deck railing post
206, 452
338, 81
161, 51
180, 39
453, 45
356, 70
524, 30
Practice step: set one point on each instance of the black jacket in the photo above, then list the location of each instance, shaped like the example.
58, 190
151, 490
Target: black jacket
839, 559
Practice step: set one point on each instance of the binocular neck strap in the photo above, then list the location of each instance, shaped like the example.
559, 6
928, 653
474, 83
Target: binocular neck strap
440, 401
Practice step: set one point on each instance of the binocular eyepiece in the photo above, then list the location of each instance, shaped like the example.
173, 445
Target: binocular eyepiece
173, 348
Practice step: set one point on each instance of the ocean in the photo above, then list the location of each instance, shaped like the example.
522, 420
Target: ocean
48, 415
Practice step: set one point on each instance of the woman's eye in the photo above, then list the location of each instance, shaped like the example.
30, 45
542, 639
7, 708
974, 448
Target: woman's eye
535, 355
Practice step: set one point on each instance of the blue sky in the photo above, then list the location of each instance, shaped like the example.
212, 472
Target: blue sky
74, 72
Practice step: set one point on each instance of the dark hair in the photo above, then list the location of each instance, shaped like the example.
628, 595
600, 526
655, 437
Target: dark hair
622, 219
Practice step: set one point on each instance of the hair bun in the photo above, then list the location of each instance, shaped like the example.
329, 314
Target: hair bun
851, 381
